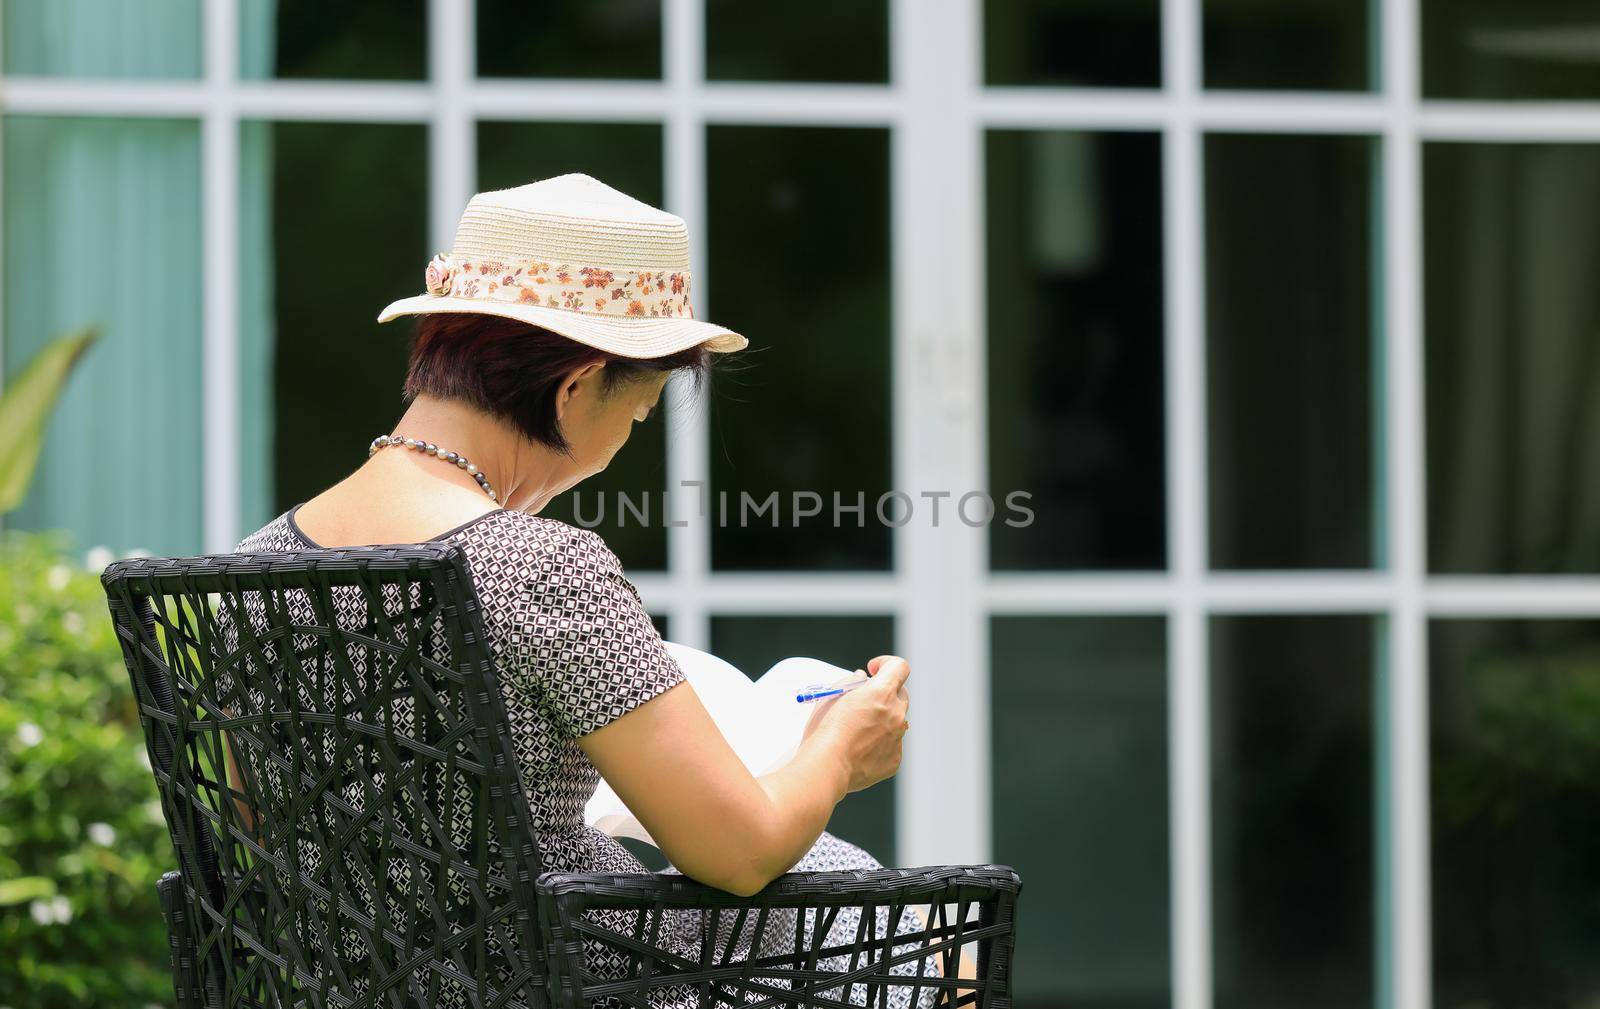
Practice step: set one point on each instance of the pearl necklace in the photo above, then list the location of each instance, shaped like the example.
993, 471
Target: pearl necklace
429, 448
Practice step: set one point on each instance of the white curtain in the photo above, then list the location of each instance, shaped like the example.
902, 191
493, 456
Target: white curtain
258, 38
102, 226
257, 321
257, 327
102, 38
1523, 445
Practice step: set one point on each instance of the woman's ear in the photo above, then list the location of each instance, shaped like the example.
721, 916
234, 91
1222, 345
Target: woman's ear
574, 383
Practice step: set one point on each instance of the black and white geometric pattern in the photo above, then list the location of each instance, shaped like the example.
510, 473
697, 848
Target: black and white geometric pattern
574, 650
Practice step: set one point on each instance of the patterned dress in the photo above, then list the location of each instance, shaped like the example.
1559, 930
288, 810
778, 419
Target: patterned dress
576, 650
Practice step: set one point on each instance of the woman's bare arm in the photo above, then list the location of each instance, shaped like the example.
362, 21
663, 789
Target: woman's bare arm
247, 817
713, 819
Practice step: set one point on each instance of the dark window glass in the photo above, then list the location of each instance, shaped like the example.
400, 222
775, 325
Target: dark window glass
1290, 335
623, 503
1075, 349
754, 644
1515, 781
569, 38
366, 39
626, 156
359, 194
1307, 45
1292, 810
835, 40
101, 38
806, 407
1511, 253
1088, 43
1080, 805
1494, 49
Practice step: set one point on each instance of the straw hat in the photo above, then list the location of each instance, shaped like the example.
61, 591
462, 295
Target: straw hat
578, 258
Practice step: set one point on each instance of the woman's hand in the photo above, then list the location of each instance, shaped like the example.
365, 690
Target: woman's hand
865, 727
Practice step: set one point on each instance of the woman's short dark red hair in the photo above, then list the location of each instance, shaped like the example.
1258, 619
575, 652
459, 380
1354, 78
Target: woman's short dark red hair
513, 370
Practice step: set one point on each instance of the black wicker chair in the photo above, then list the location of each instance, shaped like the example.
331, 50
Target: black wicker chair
371, 844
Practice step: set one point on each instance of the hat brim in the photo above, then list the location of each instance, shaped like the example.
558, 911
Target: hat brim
627, 336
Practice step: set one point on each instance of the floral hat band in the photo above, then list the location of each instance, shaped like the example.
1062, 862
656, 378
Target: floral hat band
574, 288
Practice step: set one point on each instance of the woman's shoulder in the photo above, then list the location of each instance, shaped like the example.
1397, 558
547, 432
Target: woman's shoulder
538, 530
518, 539
533, 571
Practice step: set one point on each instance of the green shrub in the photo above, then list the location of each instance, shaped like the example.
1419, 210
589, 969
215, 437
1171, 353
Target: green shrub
82, 841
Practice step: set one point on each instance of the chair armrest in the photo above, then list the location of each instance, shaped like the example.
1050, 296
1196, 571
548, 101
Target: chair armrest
787, 923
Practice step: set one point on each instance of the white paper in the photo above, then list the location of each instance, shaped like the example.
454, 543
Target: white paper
760, 719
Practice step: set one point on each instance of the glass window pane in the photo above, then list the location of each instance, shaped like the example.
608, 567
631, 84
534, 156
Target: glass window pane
806, 407
626, 156
1290, 332
364, 39
754, 644
1075, 349
102, 38
1526, 49
1307, 45
1080, 805
357, 192
1514, 767
569, 38
1512, 250
102, 228
623, 503
836, 40
1292, 810
1087, 43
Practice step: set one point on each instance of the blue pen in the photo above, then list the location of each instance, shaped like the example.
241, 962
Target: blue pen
817, 691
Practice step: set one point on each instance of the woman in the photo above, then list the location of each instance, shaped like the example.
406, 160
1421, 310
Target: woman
546, 334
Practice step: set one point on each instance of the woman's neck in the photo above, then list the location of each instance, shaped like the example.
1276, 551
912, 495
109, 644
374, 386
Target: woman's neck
525, 475
404, 496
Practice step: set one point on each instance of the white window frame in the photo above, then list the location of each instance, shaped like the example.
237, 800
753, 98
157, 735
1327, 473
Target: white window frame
941, 592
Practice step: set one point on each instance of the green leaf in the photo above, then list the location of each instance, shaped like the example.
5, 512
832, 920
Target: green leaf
24, 889
25, 410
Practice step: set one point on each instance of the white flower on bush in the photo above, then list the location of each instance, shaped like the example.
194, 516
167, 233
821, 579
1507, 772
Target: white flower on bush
72, 622
29, 735
58, 576
97, 558
103, 834
54, 911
